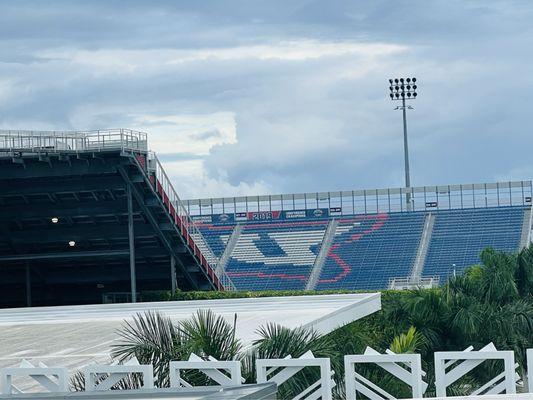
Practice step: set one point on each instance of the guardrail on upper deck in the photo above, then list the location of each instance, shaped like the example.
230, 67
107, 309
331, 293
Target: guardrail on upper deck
187, 226
12, 141
371, 201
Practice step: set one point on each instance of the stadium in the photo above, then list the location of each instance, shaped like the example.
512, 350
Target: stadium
91, 217
266, 200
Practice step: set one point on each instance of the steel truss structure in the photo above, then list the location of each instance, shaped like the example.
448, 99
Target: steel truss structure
53, 380
223, 373
96, 210
105, 377
281, 370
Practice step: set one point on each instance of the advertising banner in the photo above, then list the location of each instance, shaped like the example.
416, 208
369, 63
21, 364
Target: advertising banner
242, 216
333, 211
317, 213
263, 215
223, 218
204, 219
295, 214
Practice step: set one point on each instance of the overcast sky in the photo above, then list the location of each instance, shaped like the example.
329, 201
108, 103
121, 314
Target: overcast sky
258, 97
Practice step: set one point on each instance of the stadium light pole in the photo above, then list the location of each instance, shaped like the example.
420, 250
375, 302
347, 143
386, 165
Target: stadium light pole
402, 89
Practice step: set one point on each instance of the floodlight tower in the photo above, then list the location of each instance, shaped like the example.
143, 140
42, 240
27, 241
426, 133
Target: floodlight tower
404, 89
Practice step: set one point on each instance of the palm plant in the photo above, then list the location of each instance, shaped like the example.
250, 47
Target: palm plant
209, 335
490, 302
279, 342
154, 339
409, 342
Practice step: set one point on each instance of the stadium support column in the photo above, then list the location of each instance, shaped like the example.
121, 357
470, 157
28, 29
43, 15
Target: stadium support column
131, 239
28, 285
173, 274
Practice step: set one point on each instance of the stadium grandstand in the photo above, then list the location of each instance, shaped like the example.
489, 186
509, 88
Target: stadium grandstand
90, 217
363, 239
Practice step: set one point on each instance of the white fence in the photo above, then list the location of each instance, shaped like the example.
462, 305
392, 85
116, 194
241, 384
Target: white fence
407, 368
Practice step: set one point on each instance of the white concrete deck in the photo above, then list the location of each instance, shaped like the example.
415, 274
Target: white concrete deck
75, 336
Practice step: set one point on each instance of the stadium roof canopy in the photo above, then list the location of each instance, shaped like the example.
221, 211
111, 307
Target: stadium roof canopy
74, 336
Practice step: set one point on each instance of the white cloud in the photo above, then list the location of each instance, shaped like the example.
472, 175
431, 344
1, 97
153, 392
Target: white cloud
188, 133
121, 61
191, 181
281, 96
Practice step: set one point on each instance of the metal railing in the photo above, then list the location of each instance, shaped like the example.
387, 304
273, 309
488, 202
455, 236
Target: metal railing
184, 221
371, 201
414, 283
12, 141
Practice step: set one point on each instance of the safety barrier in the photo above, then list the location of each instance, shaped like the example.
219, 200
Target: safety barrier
77, 142
186, 225
449, 367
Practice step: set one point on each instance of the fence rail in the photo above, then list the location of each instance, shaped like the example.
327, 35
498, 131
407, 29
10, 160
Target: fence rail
185, 222
12, 141
424, 198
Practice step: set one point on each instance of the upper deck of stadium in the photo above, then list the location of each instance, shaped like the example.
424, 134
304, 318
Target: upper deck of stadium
86, 214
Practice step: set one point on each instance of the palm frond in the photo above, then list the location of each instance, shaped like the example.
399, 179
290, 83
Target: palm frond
409, 342
153, 339
207, 334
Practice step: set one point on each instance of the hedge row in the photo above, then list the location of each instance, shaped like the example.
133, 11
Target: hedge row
212, 295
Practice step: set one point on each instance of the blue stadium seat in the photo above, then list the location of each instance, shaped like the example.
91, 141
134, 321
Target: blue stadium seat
368, 250
276, 255
216, 236
459, 236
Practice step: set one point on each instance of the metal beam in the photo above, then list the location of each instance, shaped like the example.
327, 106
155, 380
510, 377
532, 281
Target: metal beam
131, 240
170, 246
41, 170
79, 232
65, 185
64, 255
173, 274
62, 210
28, 285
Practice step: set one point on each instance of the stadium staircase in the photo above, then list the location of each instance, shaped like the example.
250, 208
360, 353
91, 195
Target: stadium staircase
178, 219
232, 242
525, 238
329, 235
415, 279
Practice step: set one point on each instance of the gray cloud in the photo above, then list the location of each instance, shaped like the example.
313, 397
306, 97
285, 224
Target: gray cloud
208, 135
302, 124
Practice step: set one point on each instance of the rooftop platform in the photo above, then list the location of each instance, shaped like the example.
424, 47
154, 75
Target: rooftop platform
75, 336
